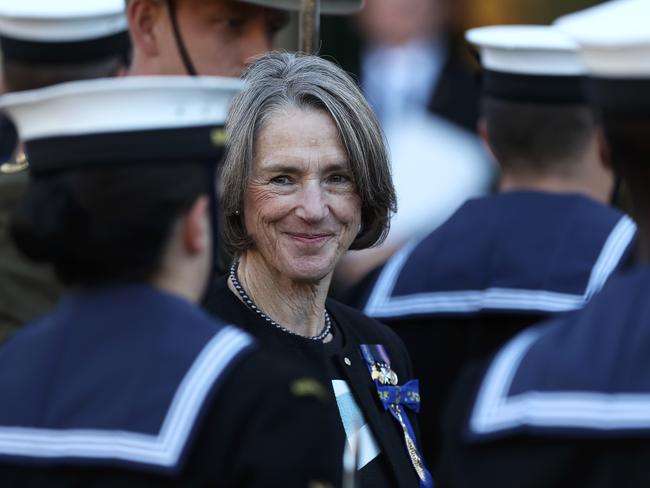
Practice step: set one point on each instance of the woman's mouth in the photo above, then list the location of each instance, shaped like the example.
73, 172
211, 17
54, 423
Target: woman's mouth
309, 238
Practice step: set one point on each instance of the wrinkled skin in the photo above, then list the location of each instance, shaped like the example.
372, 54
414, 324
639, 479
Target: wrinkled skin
302, 207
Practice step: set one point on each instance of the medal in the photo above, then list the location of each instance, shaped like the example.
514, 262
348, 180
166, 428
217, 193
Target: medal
381, 372
395, 399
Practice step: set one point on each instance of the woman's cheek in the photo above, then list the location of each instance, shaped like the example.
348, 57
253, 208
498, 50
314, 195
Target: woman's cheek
348, 208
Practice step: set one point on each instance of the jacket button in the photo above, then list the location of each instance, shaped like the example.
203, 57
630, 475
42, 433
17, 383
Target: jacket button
347, 361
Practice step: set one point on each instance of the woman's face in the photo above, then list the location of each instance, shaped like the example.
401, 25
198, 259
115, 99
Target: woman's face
301, 206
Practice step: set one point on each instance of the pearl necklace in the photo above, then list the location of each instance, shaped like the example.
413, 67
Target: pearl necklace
247, 300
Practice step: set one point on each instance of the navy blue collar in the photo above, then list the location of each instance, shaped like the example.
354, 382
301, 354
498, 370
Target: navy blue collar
514, 252
583, 375
117, 376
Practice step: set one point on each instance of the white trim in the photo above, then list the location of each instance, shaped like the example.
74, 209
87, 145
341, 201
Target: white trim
163, 449
610, 256
382, 305
494, 411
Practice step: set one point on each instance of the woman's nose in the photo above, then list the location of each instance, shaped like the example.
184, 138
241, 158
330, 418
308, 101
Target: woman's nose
312, 206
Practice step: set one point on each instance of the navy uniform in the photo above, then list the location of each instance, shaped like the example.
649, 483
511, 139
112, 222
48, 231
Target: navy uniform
32, 33
566, 403
129, 385
500, 263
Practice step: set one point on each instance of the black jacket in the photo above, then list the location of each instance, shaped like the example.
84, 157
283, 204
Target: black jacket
357, 329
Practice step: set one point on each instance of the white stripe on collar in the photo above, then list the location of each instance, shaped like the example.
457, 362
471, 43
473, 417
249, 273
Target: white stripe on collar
381, 303
163, 449
495, 411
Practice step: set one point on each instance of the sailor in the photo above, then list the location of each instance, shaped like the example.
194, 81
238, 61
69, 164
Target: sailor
44, 43
543, 245
127, 382
217, 37
567, 403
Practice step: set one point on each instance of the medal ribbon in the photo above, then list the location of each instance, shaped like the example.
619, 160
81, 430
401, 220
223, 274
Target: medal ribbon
394, 398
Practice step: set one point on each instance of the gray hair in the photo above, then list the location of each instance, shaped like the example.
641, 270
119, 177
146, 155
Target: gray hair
278, 80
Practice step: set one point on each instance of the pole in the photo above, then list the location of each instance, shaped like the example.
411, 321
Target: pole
310, 26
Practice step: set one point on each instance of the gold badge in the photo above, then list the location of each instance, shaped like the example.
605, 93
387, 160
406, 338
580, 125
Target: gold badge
218, 137
319, 484
16, 165
309, 387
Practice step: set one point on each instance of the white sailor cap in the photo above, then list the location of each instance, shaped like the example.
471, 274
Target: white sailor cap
131, 120
529, 63
60, 31
614, 42
334, 7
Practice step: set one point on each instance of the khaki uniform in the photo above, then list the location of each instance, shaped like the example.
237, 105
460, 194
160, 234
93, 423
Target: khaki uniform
27, 290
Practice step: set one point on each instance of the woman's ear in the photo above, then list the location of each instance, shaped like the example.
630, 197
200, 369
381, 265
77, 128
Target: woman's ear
197, 235
143, 16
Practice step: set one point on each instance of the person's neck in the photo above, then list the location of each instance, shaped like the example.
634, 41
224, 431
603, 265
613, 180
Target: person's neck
551, 184
185, 285
141, 66
298, 306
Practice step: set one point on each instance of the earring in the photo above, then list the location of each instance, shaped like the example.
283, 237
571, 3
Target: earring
236, 212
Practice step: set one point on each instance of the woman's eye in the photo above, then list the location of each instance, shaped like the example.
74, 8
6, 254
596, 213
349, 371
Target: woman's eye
338, 179
281, 180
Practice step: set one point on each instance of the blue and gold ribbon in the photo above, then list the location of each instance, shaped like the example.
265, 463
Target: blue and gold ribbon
395, 398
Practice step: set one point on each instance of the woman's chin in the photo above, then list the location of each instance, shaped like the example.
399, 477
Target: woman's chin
308, 270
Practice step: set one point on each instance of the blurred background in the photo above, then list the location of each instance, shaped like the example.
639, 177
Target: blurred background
420, 77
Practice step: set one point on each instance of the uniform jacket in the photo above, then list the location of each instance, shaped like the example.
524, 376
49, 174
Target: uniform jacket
566, 403
129, 386
358, 329
498, 265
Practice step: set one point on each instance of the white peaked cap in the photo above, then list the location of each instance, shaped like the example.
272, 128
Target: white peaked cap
526, 50
61, 20
122, 119
614, 37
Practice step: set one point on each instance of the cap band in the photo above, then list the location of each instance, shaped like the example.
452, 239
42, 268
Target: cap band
620, 95
65, 52
533, 88
91, 151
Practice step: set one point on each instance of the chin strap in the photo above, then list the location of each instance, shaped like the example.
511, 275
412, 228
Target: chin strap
182, 50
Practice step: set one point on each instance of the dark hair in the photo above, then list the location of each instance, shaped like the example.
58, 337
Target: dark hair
105, 225
628, 138
537, 138
279, 80
20, 75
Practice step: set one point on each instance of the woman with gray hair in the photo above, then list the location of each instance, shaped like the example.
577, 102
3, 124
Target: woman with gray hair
306, 178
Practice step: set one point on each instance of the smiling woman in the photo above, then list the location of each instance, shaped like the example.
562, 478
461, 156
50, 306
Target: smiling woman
306, 178
301, 209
